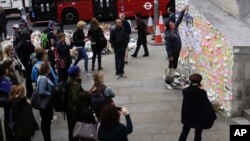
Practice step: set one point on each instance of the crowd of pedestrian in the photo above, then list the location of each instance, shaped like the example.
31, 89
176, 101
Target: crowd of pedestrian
47, 70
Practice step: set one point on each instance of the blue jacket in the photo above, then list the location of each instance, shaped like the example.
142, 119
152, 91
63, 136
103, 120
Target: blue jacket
5, 85
118, 133
35, 72
45, 86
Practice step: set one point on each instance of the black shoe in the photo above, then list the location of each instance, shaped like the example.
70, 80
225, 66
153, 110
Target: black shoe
145, 55
100, 68
126, 62
93, 69
134, 55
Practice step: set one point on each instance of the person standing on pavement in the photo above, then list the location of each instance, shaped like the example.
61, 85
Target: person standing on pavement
17, 35
65, 58
110, 128
173, 40
197, 111
119, 41
79, 40
142, 36
3, 24
94, 34
127, 28
45, 86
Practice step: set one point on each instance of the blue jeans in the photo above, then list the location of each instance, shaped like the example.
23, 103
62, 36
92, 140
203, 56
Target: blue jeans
119, 61
82, 53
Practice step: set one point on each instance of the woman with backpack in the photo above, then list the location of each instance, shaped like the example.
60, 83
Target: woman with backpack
23, 121
73, 92
197, 111
95, 33
110, 128
5, 86
100, 93
45, 86
63, 58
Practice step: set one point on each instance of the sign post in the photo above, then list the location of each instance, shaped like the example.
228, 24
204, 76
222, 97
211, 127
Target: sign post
156, 12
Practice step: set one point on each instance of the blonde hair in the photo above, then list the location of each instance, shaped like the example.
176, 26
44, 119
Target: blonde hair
98, 79
80, 24
7, 49
16, 92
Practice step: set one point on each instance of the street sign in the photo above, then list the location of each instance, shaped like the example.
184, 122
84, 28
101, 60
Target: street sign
147, 5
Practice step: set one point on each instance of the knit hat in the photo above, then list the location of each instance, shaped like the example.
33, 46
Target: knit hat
73, 70
109, 93
195, 78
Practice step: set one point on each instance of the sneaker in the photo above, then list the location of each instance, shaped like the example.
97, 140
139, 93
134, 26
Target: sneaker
134, 55
54, 118
177, 74
118, 76
124, 76
169, 86
100, 68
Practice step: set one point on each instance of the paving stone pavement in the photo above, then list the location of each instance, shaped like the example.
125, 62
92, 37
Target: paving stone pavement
155, 110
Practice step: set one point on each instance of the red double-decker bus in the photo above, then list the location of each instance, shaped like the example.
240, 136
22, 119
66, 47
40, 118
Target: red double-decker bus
70, 11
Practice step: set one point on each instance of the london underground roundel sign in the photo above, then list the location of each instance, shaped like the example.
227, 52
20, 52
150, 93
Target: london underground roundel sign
147, 5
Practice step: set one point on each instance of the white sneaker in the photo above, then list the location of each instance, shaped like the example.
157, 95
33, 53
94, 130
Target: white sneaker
54, 118
118, 76
169, 86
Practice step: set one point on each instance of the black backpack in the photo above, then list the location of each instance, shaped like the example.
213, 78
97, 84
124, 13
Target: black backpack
60, 96
98, 101
101, 40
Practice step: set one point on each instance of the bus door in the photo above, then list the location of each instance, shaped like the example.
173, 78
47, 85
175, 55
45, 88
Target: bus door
105, 9
43, 10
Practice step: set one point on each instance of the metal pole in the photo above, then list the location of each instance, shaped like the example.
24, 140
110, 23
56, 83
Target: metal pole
156, 12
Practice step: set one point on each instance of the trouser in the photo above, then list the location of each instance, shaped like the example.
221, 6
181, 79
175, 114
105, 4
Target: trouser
8, 133
24, 139
28, 83
3, 32
185, 131
174, 63
71, 124
46, 117
82, 53
119, 61
139, 43
99, 58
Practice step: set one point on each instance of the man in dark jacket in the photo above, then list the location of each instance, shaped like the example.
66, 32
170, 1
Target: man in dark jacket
127, 28
173, 40
197, 111
119, 41
142, 37
16, 36
3, 24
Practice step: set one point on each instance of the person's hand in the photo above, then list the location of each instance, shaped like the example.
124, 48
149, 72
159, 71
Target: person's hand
186, 8
28, 101
86, 40
171, 58
124, 111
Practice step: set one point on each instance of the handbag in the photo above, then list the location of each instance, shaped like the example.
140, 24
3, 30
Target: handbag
60, 63
40, 101
86, 131
146, 31
169, 74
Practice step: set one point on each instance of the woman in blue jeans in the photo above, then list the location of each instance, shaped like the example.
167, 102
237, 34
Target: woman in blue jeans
79, 40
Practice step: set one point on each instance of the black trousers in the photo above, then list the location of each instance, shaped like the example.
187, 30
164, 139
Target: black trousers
119, 61
174, 64
99, 58
139, 43
63, 74
185, 131
8, 133
46, 117
71, 124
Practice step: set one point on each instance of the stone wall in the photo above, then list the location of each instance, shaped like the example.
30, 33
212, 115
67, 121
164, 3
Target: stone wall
238, 8
241, 81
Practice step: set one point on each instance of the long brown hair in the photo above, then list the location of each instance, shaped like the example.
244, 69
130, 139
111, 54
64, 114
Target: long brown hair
110, 116
16, 92
94, 24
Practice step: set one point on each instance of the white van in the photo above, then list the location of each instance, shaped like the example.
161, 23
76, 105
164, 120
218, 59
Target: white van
14, 6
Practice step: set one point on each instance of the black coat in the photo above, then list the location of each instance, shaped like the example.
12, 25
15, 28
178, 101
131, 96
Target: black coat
93, 35
78, 37
64, 52
141, 26
3, 22
25, 124
119, 38
197, 111
24, 49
